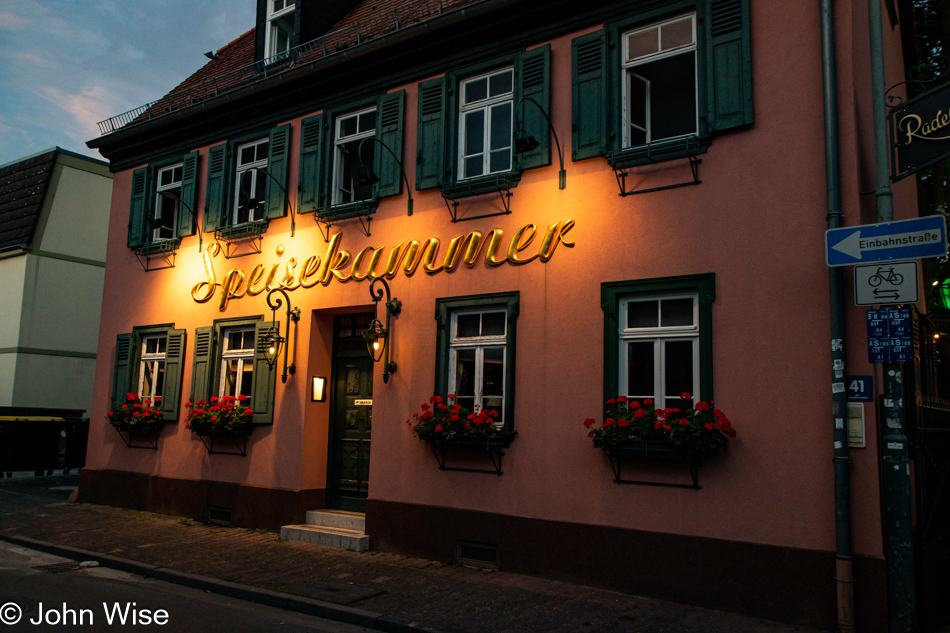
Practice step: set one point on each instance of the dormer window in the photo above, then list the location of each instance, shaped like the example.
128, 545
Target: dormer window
280, 27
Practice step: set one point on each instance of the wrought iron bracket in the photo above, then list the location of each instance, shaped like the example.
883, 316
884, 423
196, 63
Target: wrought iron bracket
149, 435
494, 455
501, 185
939, 72
162, 252
359, 210
616, 463
621, 174
238, 442
248, 232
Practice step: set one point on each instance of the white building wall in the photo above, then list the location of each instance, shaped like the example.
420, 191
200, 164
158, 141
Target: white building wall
79, 214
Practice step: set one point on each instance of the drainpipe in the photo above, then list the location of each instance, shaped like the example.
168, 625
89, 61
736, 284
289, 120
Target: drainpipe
844, 573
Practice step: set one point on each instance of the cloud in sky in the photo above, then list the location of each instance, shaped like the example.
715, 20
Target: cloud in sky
66, 65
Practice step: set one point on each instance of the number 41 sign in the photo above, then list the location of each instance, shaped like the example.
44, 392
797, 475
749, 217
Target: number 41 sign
860, 388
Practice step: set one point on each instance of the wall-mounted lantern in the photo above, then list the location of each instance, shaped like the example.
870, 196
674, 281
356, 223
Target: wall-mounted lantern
274, 341
379, 338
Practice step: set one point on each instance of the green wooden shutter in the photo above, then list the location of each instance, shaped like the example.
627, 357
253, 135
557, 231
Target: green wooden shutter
728, 64
389, 132
201, 369
216, 195
430, 141
589, 96
278, 160
171, 391
265, 376
138, 235
122, 374
189, 194
532, 72
311, 155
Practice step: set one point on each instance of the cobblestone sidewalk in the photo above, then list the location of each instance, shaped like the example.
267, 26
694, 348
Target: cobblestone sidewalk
432, 595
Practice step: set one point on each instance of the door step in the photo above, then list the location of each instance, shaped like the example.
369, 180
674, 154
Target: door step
330, 528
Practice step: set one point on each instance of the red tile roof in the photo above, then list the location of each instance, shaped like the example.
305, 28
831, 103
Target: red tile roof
235, 66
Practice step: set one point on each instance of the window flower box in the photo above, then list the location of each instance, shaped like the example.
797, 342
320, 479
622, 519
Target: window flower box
452, 427
139, 418
228, 419
632, 430
647, 449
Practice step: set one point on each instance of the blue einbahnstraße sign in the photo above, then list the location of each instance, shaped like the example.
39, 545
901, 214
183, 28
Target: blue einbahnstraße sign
905, 239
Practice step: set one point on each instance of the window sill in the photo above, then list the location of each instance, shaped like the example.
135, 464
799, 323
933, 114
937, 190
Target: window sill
347, 211
480, 186
659, 152
160, 246
239, 231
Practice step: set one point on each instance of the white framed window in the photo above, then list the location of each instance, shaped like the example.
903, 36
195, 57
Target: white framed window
280, 27
659, 349
478, 360
167, 197
350, 154
659, 77
486, 111
250, 183
237, 362
152, 366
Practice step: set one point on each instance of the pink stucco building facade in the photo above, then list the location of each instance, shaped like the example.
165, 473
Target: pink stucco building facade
735, 260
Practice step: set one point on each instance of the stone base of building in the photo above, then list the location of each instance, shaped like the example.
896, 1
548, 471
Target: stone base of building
212, 501
766, 581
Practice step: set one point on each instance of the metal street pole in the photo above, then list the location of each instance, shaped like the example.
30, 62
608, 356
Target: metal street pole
895, 477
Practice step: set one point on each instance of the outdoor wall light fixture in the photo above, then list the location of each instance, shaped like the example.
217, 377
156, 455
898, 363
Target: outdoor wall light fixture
525, 143
274, 341
318, 392
366, 177
378, 338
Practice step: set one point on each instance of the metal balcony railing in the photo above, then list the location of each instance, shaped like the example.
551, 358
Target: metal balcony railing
323, 47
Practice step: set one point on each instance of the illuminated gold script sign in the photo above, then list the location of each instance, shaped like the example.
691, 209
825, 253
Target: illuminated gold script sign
338, 264
921, 131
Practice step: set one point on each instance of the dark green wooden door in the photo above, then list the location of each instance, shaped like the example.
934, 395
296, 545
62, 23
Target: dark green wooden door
352, 422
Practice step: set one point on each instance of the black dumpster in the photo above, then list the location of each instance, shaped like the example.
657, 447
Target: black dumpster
30, 437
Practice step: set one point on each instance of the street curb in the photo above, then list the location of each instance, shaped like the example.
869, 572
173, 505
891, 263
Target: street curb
298, 604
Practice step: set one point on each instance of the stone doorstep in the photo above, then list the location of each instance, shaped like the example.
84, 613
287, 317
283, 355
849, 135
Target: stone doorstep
339, 538
337, 519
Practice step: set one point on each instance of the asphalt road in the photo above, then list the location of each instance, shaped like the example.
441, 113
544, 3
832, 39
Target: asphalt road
40, 593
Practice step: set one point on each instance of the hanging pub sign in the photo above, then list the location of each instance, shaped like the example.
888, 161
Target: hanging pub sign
920, 132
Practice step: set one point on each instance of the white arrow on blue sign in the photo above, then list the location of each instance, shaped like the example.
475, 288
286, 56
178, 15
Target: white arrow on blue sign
905, 239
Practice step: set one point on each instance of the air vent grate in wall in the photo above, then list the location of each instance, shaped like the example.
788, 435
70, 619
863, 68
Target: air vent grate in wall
477, 555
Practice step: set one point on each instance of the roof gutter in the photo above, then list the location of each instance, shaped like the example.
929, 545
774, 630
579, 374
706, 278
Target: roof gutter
14, 250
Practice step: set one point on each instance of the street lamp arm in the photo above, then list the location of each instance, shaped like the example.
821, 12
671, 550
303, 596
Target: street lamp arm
562, 176
287, 205
402, 171
194, 215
